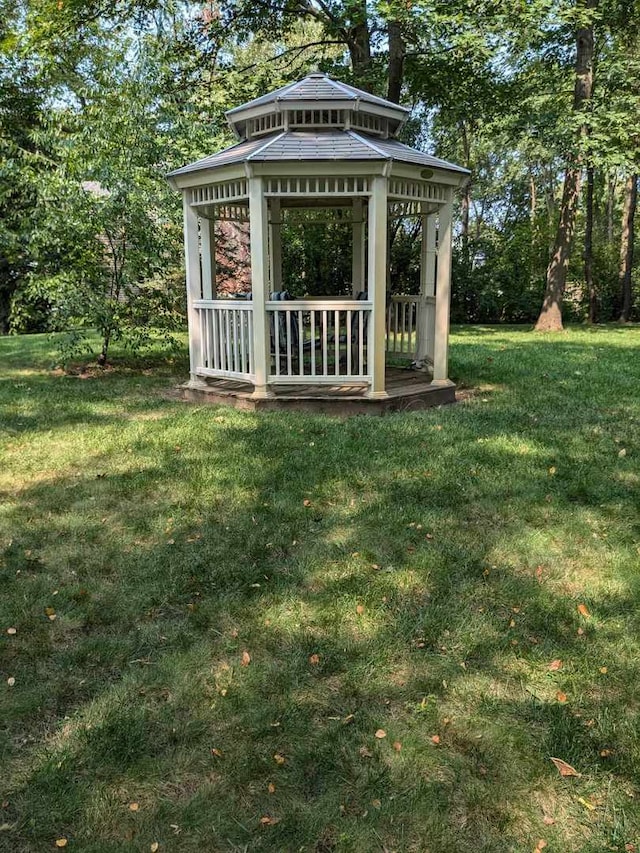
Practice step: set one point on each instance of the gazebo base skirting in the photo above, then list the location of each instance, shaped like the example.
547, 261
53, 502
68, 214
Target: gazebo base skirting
407, 390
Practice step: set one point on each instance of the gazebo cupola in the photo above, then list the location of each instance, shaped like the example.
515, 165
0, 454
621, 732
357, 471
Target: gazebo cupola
317, 103
317, 144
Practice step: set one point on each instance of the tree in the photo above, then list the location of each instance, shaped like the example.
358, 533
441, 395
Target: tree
627, 246
550, 318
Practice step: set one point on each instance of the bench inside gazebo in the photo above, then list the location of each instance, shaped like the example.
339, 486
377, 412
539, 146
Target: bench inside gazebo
319, 146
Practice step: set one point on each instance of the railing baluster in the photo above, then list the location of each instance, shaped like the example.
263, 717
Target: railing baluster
228, 339
361, 342
313, 342
325, 371
336, 341
209, 316
214, 348
234, 320
276, 337
349, 368
395, 327
300, 344
243, 344
288, 323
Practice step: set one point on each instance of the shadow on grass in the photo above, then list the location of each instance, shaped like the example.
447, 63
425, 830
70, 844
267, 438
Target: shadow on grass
433, 562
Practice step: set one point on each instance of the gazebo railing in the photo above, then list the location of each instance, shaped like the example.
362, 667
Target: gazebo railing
404, 315
226, 338
319, 341
311, 341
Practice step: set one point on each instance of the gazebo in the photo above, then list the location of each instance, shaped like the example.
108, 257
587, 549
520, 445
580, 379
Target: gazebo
319, 145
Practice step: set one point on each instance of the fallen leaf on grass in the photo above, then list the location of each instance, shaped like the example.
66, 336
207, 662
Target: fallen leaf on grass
360, 609
271, 788
61, 842
555, 665
605, 753
622, 453
435, 739
269, 821
364, 752
134, 807
563, 768
586, 804
540, 845
306, 502
154, 846
50, 613
380, 734
397, 745
216, 752
11, 681
583, 610
548, 821
376, 803
12, 631
603, 670
314, 660
561, 697
279, 759
246, 659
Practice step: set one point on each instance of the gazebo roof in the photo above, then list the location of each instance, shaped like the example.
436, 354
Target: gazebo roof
318, 87
314, 120
318, 146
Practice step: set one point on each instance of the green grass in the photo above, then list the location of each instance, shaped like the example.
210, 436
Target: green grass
433, 561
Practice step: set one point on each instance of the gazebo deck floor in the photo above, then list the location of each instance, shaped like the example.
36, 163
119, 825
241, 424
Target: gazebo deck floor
407, 390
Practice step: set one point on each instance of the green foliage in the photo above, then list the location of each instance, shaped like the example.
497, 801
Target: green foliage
118, 95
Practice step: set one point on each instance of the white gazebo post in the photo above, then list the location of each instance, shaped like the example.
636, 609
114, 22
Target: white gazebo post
443, 298
208, 249
275, 241
259, 239
377, 285
357, 264
425, 325
194, 287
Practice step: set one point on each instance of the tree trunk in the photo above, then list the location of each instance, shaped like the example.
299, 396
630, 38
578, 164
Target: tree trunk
626, 246
550, 318
588, 248
359, 43
611, 200
465, 202
104, 352
397, 50
533, 199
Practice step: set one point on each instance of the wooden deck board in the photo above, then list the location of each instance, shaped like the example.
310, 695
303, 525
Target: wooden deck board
406, 389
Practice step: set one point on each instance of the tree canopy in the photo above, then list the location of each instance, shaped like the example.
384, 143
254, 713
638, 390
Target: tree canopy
99, 103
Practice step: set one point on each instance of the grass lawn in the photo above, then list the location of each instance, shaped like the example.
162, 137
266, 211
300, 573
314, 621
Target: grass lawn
297, 633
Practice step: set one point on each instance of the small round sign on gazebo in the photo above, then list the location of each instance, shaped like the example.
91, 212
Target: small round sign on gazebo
319, 144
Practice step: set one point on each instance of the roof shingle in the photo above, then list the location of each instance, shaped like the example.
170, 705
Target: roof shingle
318, 146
